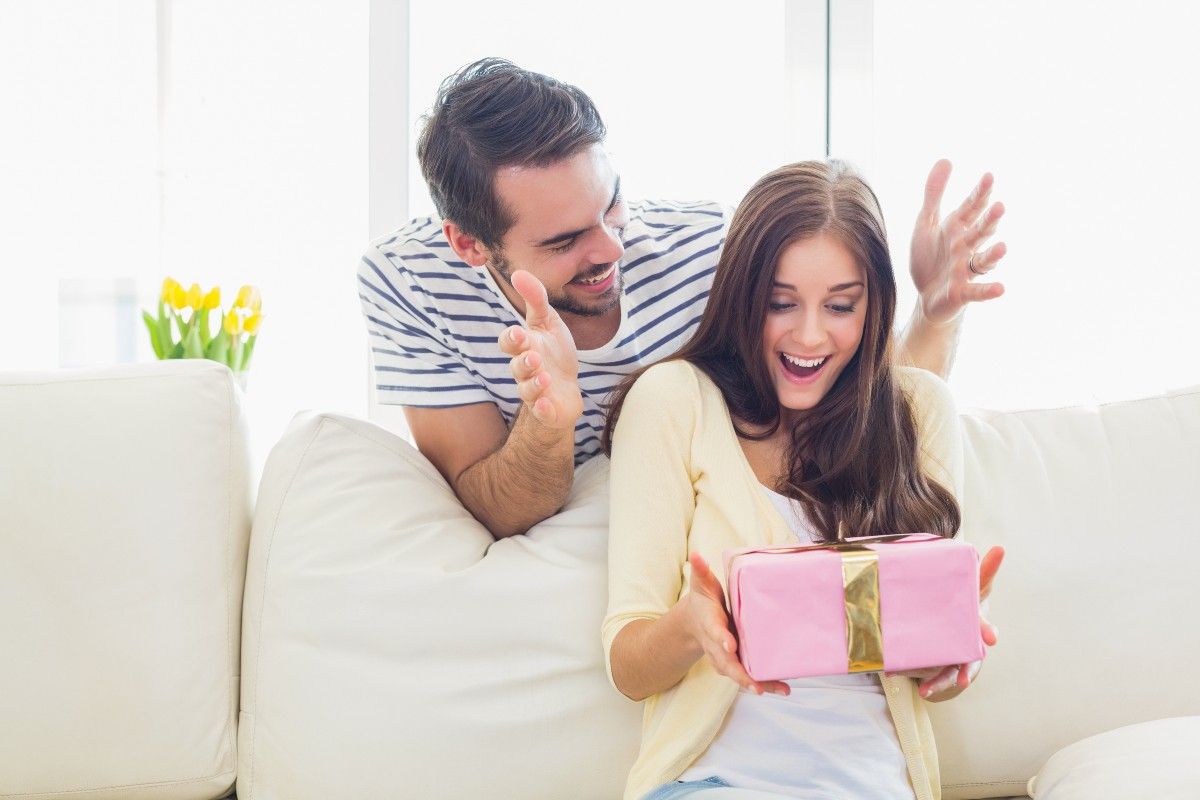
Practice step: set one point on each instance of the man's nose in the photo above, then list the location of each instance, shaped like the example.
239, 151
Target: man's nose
607, 246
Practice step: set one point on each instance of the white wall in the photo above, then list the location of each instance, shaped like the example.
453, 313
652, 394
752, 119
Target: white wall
266, 183
1085, 112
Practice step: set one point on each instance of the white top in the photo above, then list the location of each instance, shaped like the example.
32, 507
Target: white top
433, 320
830, 739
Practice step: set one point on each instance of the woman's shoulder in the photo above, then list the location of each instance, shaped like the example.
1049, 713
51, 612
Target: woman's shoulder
928, 393
670, 379
674, 391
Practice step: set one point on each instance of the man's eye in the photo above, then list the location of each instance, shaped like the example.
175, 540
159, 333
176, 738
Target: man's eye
564, 247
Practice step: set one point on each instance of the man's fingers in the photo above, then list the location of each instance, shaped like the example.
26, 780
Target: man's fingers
544, 411
935, 188
514, 340
989, 565
537, 306
525, 365
533, 388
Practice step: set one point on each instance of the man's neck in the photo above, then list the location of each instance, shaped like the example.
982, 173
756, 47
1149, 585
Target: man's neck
592, 332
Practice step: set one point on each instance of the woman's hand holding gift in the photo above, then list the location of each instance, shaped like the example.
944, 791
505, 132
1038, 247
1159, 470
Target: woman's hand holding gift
945, 683
707, 621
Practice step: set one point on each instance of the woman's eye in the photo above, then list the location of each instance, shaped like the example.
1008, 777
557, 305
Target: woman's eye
842, 309
779, 306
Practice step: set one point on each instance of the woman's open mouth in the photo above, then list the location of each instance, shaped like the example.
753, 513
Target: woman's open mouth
802, 370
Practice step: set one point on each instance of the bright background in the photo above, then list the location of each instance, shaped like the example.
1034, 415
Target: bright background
266, 143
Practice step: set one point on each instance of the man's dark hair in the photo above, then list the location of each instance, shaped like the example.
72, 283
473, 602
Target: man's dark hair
493, 114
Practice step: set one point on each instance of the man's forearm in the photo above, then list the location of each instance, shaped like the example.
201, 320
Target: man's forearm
523, 482
930, 345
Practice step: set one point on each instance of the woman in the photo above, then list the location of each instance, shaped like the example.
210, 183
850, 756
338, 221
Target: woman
781, 420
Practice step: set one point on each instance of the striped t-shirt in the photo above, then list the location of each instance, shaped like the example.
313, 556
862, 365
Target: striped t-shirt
434, 321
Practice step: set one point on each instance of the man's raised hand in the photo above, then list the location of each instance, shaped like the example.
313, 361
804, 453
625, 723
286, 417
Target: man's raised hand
544, 361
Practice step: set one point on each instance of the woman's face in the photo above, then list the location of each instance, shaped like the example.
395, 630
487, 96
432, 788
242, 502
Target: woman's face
818, 306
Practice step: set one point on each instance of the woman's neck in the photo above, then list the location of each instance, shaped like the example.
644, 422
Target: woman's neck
767, 457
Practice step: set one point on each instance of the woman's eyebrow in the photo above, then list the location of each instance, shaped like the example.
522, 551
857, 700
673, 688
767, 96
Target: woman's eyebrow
841, 287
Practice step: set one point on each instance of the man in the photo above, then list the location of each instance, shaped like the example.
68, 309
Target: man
502, 326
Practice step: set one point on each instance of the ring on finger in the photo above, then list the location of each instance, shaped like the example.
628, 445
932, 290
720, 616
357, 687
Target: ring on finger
971, 265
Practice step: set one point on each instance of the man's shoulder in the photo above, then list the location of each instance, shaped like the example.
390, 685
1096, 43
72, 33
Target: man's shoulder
417, 258
418, 234
421, 240
654, 213
669, 246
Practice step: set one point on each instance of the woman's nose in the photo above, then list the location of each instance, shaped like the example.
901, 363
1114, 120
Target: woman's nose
809, 334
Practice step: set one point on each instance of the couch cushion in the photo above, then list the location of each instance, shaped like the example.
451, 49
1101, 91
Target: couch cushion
1096, 507
124, 521
1154, 759
392, 648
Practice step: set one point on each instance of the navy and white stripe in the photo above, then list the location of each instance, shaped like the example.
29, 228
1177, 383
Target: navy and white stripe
433, 320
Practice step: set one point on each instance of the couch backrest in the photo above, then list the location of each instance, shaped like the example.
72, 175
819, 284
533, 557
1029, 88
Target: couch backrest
1097, 600
124, 520
392, 647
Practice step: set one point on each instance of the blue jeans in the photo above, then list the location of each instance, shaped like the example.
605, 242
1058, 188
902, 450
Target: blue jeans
709, 787
678, 789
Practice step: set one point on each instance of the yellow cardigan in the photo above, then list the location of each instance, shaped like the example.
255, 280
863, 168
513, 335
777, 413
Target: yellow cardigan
680, 482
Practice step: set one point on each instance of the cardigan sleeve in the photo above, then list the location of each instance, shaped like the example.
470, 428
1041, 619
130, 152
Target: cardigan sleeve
939, 431
652, 497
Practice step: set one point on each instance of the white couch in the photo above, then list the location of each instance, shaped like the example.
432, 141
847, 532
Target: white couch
386, 647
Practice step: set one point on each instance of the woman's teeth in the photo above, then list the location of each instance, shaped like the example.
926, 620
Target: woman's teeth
802, 362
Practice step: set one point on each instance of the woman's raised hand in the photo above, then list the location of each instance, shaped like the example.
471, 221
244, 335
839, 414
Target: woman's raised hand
708, 623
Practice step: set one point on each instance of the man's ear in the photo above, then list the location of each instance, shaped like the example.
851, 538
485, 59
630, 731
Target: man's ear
468, 248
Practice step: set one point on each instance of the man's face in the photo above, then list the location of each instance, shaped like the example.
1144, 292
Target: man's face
570, 217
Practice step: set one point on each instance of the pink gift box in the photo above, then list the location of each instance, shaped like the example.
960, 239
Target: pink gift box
793, 609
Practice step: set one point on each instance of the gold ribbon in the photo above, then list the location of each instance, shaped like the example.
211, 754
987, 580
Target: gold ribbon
860, 587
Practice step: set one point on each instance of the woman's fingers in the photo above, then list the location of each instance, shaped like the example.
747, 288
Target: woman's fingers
943, 680
989, 565
984, 227
989, 632
704, 580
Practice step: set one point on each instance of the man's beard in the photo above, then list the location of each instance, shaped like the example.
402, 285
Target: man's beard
564, 303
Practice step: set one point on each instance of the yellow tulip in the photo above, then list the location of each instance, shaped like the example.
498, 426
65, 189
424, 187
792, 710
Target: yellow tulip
195, 297
213, 298
252, 322
178, 297
248, 297
168, 287
233, 323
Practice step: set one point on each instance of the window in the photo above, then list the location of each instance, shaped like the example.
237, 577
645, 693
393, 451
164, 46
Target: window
1081, 111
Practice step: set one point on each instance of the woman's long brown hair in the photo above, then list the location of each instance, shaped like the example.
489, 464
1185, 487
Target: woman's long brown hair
853, 458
